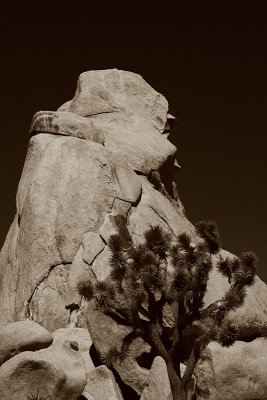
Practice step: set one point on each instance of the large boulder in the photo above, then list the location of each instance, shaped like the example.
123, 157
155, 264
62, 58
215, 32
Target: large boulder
237, 372
131, 114
57, 372
107, 334
158, 387
80, 339
22, 336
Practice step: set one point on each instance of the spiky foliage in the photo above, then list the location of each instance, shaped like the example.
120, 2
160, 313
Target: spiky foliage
249, 260
180, 282
157, 241
159, 273
208, 230
111, 356
228, 335
86, 289
224, 266
104, 293
116, 244
184, 242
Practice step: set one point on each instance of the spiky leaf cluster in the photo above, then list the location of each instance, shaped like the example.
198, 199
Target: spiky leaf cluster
118, 259
244, 274
208, 230
111, 356
224, 266
241, 270
157, 241
103, 293
86, 289
227, 335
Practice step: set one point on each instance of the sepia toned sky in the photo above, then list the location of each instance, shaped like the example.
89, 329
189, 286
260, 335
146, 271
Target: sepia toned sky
208, 59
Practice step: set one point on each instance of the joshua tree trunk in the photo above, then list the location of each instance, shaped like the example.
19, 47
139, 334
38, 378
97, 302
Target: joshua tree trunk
178, 392
152, 337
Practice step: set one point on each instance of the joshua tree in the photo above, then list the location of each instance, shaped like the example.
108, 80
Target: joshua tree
146, 277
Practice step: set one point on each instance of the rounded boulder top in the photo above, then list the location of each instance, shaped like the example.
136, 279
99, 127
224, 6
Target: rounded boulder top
117, 91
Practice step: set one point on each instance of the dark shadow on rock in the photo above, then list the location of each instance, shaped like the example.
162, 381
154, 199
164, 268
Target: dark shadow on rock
127, 392
95, 356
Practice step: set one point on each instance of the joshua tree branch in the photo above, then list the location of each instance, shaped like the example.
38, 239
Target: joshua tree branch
252, 330
199, 344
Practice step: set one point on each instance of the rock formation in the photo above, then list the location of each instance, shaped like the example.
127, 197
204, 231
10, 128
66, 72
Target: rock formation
101, 164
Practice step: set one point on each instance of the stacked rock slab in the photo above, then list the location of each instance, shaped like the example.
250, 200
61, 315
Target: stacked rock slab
100, 164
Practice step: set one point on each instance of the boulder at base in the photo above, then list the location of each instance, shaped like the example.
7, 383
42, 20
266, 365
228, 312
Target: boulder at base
237, 372
159, 387
57, 372
22, 336
106, 334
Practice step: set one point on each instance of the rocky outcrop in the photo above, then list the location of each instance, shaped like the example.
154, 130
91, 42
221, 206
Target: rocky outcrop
81, 174
101, 164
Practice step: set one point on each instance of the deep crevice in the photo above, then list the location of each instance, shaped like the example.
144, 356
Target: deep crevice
104, 112
34, 133
94, 356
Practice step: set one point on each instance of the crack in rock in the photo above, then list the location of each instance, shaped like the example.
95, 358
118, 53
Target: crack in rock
52, 267
163, 219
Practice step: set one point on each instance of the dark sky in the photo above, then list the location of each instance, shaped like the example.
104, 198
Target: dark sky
207, 58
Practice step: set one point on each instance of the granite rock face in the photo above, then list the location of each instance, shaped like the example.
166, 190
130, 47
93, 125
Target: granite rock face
81, 177
101, 164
